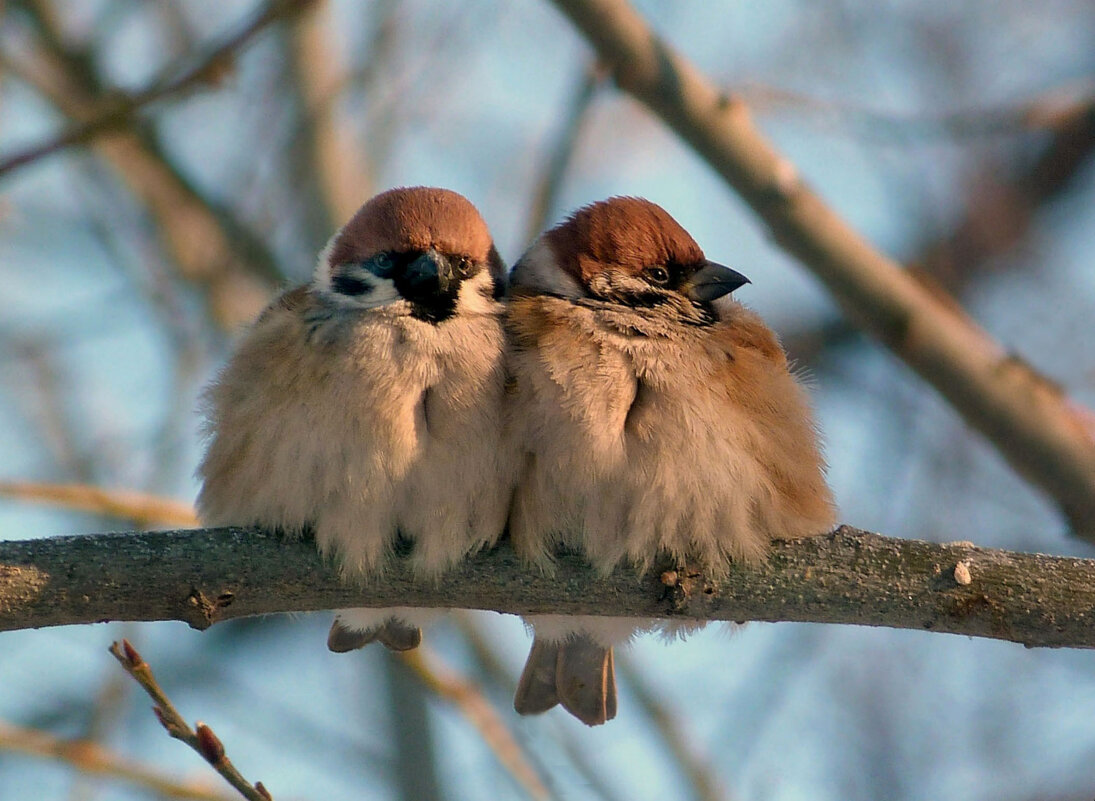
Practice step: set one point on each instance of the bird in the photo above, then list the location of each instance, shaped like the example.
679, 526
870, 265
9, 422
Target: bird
653, 413
364, 408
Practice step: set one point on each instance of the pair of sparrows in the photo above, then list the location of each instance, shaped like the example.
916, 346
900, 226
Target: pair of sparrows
607, 395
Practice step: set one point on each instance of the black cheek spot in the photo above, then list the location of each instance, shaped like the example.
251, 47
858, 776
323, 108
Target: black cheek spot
705, 315
648, 300
345, 285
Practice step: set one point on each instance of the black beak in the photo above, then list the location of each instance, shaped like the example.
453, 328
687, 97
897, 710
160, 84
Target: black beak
712, 281
428, 275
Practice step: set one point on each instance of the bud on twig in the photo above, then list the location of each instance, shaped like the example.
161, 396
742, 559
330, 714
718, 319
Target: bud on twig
210, 745
131, 653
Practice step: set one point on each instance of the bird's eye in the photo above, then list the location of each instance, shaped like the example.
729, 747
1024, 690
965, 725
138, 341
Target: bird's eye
380, 265
464, 266
658, 276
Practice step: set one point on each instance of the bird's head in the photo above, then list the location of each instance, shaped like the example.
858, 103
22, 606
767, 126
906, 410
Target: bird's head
418, 244
626, 251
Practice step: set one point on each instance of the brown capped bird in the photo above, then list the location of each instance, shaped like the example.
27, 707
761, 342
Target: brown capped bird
655, 414
366, 405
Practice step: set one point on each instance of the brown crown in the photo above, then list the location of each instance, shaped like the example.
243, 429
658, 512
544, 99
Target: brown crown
413, 218
627, 233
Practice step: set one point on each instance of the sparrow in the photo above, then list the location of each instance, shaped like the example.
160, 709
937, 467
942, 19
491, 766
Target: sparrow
365, 406
655, 414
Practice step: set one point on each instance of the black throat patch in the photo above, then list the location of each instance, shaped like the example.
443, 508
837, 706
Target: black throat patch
437, 309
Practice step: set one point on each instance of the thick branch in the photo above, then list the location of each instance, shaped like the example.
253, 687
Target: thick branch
204, 576
1001, 204
1022, 413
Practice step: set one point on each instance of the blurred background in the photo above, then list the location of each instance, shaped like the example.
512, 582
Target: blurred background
165, 167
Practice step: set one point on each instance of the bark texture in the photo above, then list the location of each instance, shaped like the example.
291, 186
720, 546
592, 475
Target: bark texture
204, 576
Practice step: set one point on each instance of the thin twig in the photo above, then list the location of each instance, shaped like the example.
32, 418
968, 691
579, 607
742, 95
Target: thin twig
173, 81
50, 408
1051, 110
201, 738
468, 698
89, 757
1025, 415
212, 248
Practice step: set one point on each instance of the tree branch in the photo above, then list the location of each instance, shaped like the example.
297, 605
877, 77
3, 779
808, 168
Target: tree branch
1000, 206
1026, 416
120, 109
547, 187
140, 508
232, 266
468, 697
88, 757
204, 576
200, 738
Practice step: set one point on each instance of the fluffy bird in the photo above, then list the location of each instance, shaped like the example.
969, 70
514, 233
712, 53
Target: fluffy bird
365, 407
655, 414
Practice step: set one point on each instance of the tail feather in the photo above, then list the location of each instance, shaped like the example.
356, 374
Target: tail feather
536, 688
393, 634
585, 679
579, 673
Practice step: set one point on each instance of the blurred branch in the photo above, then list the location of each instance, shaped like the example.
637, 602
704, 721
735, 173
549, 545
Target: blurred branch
233, 267
375, 89
333, 167
414, 757
1052, 110
547, 189
178, 29
132, 245
470, 701
87, 757
139, 508
1027, 417
204, 576
207, 71
584, 764
201, 738
1001, 203
105, 710
49, 390
700, 775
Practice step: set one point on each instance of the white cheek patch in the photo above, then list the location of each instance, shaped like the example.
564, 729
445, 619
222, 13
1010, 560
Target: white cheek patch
321, 275
537, 271
382, 292
476, 294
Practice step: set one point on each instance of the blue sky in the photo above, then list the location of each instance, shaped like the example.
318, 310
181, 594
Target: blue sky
472, 99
